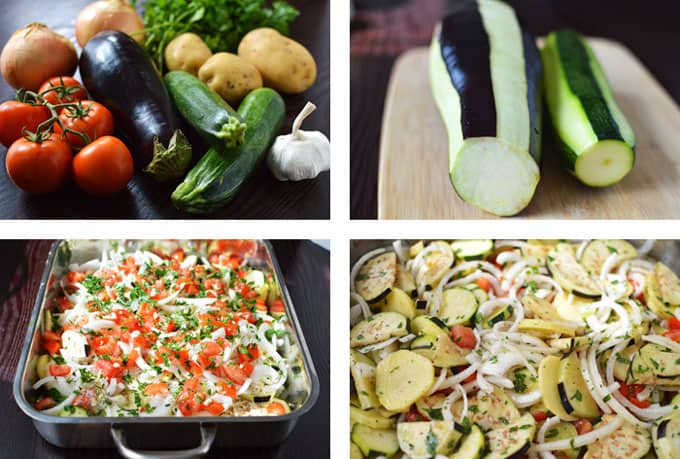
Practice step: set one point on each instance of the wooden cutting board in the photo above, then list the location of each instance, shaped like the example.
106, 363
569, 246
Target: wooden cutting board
414, 182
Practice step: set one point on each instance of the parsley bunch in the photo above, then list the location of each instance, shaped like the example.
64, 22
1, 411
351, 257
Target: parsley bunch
220, 23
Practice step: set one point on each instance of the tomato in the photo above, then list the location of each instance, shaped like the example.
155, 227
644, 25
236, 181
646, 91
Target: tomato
110, 368
44, 403
277, 307
62, 89
631, 391
83, 400
16, 116
104, 167
160, 388
583, 426
88, 117
211, 349
674, 323
483, 283
413, 415
51, 346
73, 276
672, 334
276, 408
215, 408
463, 336
178, 255
59, 370
233, 373
132, 359
39, 167
104, 345
63, 303
540, 416
187, 403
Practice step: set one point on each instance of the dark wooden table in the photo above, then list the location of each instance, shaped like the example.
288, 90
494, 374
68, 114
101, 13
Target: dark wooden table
262, 197
649, 29
306, 269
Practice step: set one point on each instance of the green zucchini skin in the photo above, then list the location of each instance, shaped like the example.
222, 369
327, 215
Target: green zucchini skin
210, 115
219, 175
592, 136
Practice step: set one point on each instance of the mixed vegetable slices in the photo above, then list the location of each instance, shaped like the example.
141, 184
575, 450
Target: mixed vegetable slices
156, 333
514, 349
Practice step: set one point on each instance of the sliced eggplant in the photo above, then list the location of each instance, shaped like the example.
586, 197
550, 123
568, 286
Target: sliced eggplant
378, 328
459, 306
472, 249
402, 378
376, 277
666, 436
597, 251
626, 442
669, 285
427, 439
569, 273
485, 74
573, 389
490, 411
512, 440
548, 380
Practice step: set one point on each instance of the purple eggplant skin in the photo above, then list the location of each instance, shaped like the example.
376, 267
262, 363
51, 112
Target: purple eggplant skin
118, 73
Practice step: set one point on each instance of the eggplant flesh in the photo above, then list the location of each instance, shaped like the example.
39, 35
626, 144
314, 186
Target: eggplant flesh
118, 73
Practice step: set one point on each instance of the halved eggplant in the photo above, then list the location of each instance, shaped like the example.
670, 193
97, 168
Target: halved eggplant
548, 379
569, 273
513, 440
378, 328
669, 285
485, 74
666, 436
573, 389
597, 251
376, 277
626, 442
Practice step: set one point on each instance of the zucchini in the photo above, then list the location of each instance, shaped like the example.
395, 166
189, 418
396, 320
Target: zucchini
545, 328
573, 389
362, 370
471, 249
375, 442
661, 361
561, 431
628, 441
376, 277
666, 436
504, 313
471, 446
370, 418
378, 328
443, 352
524, 381
427, 439
653, 298
548, 380
428, 325
490, 411
569, 273
402, 378
479, 293
399, 301
42, 366
211, 116
218, 175
459, 306
594, 139
485, 74
577, 343
596, 253
511, 441
73, 412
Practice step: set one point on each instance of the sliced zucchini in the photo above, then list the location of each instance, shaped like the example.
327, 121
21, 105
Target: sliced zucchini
375, 442
430, 407
569, 273
573, 389
428, 325
399, 301
42, 366
595, 141
471, 446
501, 314
539, 308
472, 249
661, 360
511, 441
545, 328
362, 370
406, 282
73, 412
548, 380
490, 411
479, 293
577, 343
597, 251
370, 418
626, 442
459, 306
524, 381
561, 431
378, 328
355, 451
427, 439
666, 436
402, 378
669, 285
376, 277
441, 350
653, 298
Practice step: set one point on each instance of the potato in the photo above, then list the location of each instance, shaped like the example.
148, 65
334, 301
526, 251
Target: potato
402, 378
230, 76
285, 64
187, 52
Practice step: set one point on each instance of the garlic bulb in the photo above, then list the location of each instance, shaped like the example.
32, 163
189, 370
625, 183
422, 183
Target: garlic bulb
300, 155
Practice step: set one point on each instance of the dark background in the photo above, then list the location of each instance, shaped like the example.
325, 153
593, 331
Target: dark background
261, 197
306, 269
650, 29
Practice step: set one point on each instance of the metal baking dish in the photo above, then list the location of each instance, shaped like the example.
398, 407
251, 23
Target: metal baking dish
157, 437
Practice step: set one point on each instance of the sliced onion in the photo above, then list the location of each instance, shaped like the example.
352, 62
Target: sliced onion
580, 440
440, 380
57, 408
41, 382
377, 346
365, 309
663, 341
526, 400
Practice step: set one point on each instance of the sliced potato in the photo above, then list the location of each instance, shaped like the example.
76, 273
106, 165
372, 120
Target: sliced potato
402, 378
399, 301
573, 390
441, 350
406, 282
548, 379
574, 308
653, 298
376, 277
377, 329
628, 441
430, 407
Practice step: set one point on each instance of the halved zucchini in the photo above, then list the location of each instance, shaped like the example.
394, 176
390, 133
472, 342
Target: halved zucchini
42, 366
471, 446
501, 314
459, 306
569, 273
375, 442
663, 362
511, 441
666, 436
370, 418
669, 285
561, 431
524, 381
479, 293
399, 301
489, 410
441, 350
428, 325
472, 249
573, 390
362, 370
578, 343
548, 379
428, 439
378, 328
545, 328
597, 251
402, 378
376, 277
626, 442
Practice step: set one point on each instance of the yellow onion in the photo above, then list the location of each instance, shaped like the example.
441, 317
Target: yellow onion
34, 54
108, 15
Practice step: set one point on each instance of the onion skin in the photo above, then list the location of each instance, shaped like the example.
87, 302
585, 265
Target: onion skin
108, 15
34, 54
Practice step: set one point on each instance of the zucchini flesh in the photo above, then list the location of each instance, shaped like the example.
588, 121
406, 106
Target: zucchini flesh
485, 74
594, 139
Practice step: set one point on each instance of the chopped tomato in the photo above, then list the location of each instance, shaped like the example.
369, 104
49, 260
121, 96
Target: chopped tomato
277, 307
540, 416
260, 305
63, 304
72, 277
674, 323
227, 389
673, 334
44, 403
83, 400
132, 359
463, 336
233, 373
171, 327
51, 336
276, 408
51, 346
247, 368
230, 329
631, 391
160, 388
215, 408
583, 426
186, 402
104, 345
59, 370
247, 316
483, 283
110, 368
211, 349
178, 255
413, 415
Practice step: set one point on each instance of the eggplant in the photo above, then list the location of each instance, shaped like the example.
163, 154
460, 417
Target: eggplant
119, 74
486, 76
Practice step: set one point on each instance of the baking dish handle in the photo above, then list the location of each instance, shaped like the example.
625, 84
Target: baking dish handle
207, 438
